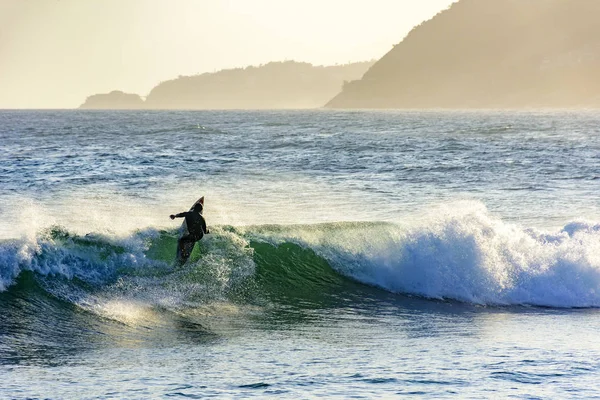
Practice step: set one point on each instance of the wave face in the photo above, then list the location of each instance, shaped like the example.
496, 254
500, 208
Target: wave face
458, 253
466, 254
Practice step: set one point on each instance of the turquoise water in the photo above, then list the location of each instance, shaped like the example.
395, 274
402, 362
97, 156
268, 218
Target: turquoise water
352, 254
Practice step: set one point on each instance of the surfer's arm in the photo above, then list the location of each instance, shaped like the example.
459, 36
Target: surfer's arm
180, 215
204, 228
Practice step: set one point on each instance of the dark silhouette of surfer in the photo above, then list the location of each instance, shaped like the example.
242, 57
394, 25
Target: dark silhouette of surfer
193, 229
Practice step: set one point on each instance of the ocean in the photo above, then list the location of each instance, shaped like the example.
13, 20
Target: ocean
352, 254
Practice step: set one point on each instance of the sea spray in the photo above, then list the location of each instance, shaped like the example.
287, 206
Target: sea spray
462, 252
92, 258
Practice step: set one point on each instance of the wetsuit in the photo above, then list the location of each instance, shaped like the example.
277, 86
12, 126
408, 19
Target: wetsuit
196, 227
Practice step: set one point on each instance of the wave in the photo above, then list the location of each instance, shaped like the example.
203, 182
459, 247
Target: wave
125, 278
462, 252
459, 252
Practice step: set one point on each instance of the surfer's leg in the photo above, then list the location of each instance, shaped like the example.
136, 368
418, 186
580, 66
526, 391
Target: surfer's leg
185, 245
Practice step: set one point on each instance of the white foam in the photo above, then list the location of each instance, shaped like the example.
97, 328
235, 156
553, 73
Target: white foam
460, 251
48, 256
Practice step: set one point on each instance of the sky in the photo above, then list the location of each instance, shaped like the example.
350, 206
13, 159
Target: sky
55, 53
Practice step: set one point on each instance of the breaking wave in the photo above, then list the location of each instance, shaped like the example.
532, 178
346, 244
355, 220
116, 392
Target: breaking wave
460, 253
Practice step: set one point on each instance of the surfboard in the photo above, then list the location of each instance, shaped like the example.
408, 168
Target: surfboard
185, 249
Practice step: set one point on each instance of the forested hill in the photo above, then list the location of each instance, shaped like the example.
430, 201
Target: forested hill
287, 84
490, 54
275, 85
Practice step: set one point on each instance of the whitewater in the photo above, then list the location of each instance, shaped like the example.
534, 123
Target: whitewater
352, 254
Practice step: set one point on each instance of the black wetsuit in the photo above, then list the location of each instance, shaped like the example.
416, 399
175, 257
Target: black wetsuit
196, 226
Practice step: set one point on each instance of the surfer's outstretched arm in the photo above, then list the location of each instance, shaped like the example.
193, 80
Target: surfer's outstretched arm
180, 215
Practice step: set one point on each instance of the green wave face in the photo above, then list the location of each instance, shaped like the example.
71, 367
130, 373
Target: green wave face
292, 274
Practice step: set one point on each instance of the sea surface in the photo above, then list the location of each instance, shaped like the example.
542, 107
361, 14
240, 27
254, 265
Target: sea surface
352, 254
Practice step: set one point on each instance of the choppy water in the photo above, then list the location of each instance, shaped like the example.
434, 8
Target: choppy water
352, 254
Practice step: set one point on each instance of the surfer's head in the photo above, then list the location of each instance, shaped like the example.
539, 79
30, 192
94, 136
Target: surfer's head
198, 208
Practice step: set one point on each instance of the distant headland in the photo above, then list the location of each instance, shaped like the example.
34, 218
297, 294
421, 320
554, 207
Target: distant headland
276, 85
489, 54
113, 100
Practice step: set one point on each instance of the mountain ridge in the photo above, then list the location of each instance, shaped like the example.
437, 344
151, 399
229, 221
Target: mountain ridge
275, 85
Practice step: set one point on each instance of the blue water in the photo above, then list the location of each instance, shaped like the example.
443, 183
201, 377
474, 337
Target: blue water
363, 254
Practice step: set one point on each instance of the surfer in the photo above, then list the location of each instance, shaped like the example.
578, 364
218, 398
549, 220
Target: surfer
194, 228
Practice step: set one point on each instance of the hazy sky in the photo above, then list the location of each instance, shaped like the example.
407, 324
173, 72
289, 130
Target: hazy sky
54, 53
